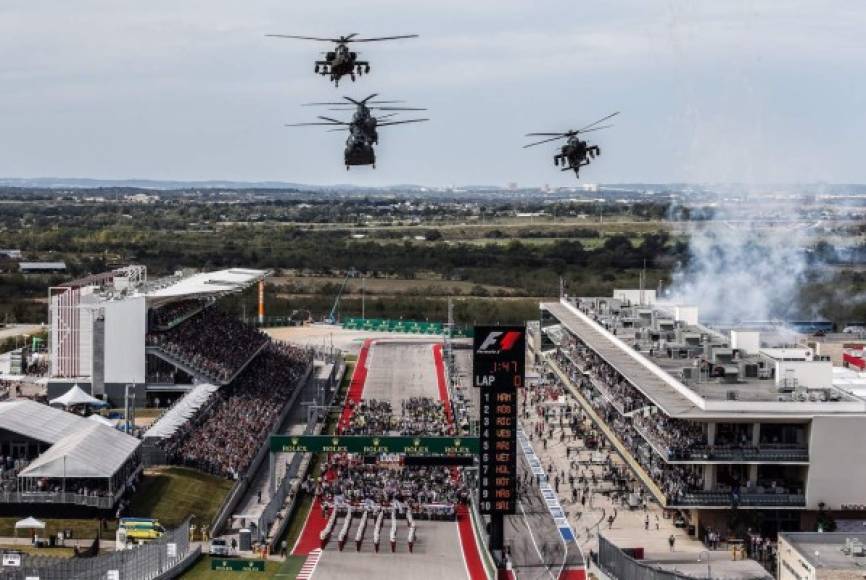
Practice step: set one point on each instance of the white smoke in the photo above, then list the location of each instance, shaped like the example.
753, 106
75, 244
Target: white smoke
746, 267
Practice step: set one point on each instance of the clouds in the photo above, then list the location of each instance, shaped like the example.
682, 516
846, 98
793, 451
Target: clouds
193, 89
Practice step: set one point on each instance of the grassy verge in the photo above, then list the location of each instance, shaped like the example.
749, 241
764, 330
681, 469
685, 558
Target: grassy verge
27, 549
202, 571
81, 529
170, 494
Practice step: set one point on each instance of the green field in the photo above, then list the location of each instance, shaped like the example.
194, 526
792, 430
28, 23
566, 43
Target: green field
170, 494
287, 569
81, 528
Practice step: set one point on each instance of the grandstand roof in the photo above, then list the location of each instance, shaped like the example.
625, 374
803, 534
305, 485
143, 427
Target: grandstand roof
181, 412
90, 448
210, 283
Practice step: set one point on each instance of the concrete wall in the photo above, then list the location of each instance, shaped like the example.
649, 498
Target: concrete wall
812, 374
634, 296
837, 459
125, 328
792, 566
748, 341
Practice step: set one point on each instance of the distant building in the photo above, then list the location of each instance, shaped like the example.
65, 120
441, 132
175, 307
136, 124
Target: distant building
820, 556
41, 267
141, 198
12, 254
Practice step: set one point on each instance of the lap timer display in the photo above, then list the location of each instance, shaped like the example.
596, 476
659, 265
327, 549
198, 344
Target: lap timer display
499, 367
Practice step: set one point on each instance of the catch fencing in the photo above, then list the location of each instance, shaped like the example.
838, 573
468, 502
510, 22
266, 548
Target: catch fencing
159, 558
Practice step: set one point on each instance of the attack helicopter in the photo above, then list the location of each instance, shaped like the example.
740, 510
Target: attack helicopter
575, 153
341, 61
363, 134
363, 117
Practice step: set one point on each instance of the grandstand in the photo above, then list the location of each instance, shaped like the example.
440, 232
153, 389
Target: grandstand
117, 329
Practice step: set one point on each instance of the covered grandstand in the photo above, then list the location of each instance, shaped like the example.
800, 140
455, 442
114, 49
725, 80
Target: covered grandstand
55, 457
118, 334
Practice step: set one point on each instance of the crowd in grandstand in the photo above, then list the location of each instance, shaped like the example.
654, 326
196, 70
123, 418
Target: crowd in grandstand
214, 343
602, 386
170, 314
418, 416
678, 439
226, 436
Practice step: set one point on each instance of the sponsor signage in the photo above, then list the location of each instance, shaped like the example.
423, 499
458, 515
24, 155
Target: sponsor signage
498, 370
12, 559
372, 445
229, 565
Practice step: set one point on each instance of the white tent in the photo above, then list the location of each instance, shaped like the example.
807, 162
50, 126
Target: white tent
76, 396
29, 523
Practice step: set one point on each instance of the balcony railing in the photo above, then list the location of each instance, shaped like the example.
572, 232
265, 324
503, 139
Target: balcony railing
47, 497
703, 453
724, 499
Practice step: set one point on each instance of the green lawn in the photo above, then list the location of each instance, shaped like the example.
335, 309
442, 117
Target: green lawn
80, 528
287, 569
170, 494
53, 552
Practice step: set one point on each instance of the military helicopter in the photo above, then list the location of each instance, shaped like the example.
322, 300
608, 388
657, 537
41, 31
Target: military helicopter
363, 135
341, 61
575, 153
363, 118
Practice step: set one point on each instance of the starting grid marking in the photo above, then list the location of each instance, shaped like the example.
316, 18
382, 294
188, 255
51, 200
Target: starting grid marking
310, 565
547, 492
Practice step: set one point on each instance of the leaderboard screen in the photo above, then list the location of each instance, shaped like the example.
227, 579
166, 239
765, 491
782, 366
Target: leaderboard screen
498, 368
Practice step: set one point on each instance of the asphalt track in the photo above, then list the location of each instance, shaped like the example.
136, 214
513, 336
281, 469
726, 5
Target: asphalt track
398, 371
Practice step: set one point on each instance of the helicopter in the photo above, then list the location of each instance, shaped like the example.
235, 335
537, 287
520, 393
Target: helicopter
362, 135
341, 61
575, 153
363, 118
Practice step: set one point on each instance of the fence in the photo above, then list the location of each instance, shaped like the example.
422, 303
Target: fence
620, 566
145, 562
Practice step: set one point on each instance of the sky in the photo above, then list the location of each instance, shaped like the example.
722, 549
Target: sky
752, 91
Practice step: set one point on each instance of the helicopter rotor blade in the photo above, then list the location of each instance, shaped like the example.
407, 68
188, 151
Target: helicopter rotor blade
599, 121
594, 129
548, 134
348, 37
386, 124
364, 101
337, 130
320, 104
398, 108
312, 124
333, 120
545, 141
303, 37
382, 38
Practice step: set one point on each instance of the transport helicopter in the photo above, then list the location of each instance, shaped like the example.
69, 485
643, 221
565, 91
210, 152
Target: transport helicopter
363, 116
341, 61
575, 152
363, 135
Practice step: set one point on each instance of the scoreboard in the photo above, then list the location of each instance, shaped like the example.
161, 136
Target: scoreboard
498, 369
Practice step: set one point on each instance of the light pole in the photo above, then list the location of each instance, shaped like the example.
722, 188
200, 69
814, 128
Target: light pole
707, 552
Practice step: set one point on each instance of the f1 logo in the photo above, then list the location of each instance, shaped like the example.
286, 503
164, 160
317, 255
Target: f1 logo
506, 341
